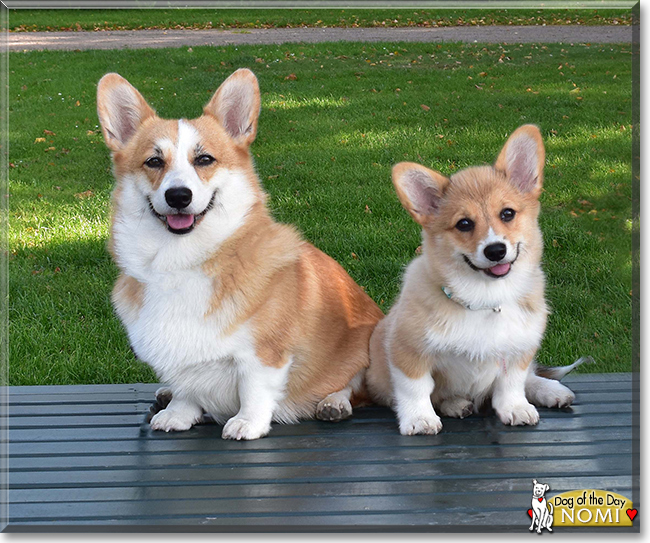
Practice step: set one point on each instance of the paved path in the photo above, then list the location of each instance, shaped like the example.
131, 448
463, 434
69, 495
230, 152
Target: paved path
138, 39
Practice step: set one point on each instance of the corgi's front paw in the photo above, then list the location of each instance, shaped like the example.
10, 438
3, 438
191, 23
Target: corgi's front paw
429, 425
238, 428
519, 414
169, 420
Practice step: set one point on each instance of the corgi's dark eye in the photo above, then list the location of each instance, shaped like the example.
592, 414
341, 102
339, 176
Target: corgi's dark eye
204, 160
465, 225
507, 214
154, 162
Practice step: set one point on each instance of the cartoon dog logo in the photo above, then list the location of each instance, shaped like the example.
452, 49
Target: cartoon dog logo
540, 512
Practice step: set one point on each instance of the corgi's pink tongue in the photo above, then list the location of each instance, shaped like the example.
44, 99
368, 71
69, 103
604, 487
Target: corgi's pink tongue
180, 222
500, 269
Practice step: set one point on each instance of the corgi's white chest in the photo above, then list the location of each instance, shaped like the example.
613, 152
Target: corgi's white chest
186, 345
175, 329
476, 347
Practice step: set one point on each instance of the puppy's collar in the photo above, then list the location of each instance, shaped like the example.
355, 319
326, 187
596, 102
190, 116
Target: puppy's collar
447, 292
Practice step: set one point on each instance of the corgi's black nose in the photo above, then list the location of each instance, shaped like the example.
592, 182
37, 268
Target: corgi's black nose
495, 252
179, 197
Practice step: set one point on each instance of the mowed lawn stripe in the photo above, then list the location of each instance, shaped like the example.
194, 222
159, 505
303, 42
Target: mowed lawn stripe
130, 19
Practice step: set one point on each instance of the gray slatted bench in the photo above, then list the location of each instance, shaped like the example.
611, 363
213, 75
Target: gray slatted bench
84, 456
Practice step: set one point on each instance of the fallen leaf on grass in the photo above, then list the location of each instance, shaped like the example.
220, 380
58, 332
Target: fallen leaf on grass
425, 108
39, 140
291, 77
84, 195
49, 133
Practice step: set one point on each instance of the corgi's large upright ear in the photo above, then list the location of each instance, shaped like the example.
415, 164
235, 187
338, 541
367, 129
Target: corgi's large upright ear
121, 110
419, 189
522, 159
236, 105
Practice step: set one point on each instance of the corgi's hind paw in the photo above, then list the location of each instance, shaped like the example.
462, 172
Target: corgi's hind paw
334, 408
458, 408
420, 426
548, 393
164, 396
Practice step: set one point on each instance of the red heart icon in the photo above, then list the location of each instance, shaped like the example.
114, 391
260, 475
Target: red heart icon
631, 513
530, 513
540, 500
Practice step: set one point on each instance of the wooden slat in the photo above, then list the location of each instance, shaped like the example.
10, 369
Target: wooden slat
303, 457
83, 456
203, 439
371, 430
615, 483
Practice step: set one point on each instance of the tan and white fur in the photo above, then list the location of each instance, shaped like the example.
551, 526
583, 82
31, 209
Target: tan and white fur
449, 351
238, 315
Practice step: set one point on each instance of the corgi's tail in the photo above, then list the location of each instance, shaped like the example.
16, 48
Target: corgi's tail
559, 372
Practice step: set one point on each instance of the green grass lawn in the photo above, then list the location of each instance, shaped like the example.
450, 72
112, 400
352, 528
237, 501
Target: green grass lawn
335, 118
126, 19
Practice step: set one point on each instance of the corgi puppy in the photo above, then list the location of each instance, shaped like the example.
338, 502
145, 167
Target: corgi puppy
471, 313
239, 316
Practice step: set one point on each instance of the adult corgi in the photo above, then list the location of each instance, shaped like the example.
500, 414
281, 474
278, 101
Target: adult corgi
239, 316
